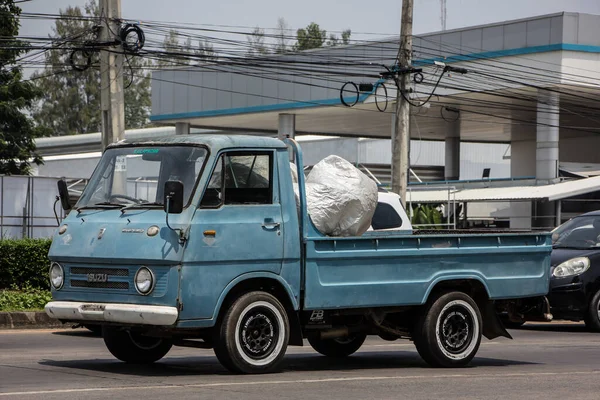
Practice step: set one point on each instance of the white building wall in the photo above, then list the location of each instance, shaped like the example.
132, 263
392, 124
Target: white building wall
477, 156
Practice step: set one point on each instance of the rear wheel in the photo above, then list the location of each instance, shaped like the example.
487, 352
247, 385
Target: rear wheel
133, 347
338, 348
449, 332
592, 319
253, 335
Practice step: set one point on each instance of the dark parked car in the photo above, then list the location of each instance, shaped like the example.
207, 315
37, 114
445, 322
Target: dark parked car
575, 274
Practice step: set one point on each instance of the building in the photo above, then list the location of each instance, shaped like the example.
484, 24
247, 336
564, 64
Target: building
532, 84
527, 108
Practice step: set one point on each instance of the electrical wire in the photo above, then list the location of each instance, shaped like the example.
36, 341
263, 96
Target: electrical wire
334, 69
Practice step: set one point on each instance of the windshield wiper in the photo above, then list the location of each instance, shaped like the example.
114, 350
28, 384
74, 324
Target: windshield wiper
141, 205
103, 204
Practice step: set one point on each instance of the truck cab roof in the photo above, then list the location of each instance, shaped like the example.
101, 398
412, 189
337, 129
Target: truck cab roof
213, 142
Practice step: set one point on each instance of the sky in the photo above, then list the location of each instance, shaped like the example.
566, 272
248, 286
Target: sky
381, 17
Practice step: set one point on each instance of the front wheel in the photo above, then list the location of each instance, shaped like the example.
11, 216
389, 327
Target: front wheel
337, 348
449, 332
133, 347
592, 319
253, 335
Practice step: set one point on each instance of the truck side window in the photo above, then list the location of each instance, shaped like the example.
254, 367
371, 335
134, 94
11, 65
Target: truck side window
385, 217
240, 178
213, 195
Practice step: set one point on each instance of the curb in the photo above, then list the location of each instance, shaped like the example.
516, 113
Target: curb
29, 320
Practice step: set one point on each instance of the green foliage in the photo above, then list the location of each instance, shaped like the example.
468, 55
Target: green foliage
137, 93
184, 53
17, 131
71, 99
24, 263
281, 42
427, 216
205, 51
335, 41
28, 299
256, 43
311, 37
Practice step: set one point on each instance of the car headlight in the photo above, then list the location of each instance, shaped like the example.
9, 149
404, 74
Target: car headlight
574, 266
144, 281
57, 276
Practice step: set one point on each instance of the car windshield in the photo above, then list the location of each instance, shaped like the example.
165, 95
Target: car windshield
580, 232
135, 176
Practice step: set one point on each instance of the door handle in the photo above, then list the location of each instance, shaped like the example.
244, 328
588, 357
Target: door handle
271, 225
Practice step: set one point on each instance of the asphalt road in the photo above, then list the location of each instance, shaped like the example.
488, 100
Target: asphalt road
550, 361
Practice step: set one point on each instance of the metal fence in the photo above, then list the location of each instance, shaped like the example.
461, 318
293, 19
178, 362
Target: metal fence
27, 206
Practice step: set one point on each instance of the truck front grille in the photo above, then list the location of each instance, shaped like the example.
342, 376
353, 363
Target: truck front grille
100, 285
100, 278
112, 278
108, 271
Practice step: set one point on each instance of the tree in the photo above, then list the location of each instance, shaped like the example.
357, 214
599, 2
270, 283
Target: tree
71, 99
335, 41
311, 37
281, 45
17, 131
346, 36
256, 43
205, 51
176, 54
137, 91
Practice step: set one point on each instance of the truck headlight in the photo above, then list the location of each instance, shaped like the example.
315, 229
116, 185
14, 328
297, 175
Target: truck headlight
574, 266
57, 276
144, 281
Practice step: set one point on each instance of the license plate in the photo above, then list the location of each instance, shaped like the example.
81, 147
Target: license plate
93, 307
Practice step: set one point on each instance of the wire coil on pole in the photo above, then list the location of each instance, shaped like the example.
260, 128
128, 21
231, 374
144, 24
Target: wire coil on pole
342, 94
129, 45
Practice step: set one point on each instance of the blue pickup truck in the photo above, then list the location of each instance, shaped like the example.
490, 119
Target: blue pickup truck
198, 241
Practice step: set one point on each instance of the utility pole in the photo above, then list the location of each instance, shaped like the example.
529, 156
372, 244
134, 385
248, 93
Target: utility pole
112, 100
443, 15
401, 139
111, 77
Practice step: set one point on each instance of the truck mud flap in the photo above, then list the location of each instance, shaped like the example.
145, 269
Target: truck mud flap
492, 326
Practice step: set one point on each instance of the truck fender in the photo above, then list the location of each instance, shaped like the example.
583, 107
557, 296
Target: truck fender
294, 319
492, 326
254, 275
472, 276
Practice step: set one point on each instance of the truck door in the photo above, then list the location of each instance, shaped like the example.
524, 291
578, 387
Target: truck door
237, 229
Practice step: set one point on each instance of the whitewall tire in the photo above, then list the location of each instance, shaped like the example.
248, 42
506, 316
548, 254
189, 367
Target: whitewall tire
253, 335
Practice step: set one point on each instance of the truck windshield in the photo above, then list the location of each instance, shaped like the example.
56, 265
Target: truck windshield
136, 175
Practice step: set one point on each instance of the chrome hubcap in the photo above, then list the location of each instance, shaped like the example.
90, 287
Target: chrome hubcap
455, 331
258, 334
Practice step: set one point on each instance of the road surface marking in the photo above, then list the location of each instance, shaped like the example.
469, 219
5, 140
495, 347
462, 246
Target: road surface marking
288, 382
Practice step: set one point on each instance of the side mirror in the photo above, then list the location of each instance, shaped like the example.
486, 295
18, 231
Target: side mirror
63, 193
173, 197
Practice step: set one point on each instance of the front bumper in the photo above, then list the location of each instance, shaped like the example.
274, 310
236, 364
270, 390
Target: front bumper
110, 312
568, 301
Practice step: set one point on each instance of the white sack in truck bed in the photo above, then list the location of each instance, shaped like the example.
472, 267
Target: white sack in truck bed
341, 200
